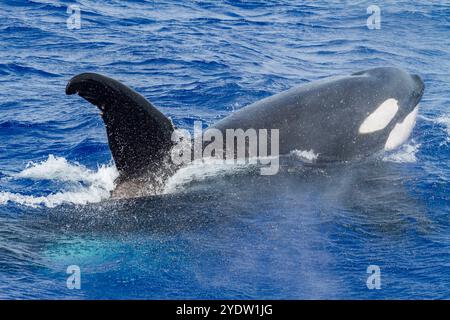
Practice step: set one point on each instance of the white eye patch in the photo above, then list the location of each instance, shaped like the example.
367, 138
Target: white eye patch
381, 117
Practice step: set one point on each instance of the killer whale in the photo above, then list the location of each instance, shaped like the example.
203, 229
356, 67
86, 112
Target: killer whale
338, 118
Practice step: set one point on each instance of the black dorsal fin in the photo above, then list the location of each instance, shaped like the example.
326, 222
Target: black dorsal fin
139, 135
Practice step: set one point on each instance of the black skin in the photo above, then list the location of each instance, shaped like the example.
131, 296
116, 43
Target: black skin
323, 116
139, 135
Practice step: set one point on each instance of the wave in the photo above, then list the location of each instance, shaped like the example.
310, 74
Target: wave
17, 69
80, 184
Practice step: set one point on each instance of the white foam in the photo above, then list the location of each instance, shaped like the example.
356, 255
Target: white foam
199, 170
445, 121
81, 185
305, 155
405, 154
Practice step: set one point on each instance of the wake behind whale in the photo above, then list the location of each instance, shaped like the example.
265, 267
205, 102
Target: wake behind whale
74, 184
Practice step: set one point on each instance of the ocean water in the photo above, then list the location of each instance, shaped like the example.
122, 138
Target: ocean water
215, 232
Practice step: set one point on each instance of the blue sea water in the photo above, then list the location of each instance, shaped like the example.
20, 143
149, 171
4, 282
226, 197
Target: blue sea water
308, 232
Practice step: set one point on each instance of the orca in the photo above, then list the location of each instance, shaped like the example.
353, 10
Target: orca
337, 119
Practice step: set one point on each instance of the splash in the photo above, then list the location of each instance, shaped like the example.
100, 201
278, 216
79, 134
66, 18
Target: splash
305, 155
80, 184
200, 170
445, 121
405, 154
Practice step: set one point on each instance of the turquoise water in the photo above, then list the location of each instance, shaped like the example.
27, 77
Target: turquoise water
308, 232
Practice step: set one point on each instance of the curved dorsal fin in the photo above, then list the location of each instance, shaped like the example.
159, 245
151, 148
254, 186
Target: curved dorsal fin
139, 135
